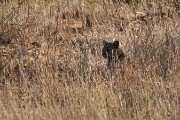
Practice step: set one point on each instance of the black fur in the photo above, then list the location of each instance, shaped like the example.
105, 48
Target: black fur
112, 51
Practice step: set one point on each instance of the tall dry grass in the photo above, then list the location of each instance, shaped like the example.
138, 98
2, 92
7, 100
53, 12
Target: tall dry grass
51, 65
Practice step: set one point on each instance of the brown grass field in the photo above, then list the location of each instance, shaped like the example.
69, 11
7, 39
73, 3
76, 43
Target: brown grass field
51, 64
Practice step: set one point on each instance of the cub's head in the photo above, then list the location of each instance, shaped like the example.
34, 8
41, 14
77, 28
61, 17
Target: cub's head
112, 51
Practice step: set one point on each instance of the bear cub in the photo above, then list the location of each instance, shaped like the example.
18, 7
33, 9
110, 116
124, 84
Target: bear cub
112, 52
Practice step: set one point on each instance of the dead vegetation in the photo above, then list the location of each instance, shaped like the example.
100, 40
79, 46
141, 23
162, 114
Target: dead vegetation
51, 63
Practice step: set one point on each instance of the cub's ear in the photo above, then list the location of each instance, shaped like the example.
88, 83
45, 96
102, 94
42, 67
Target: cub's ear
116, 44
105, 42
